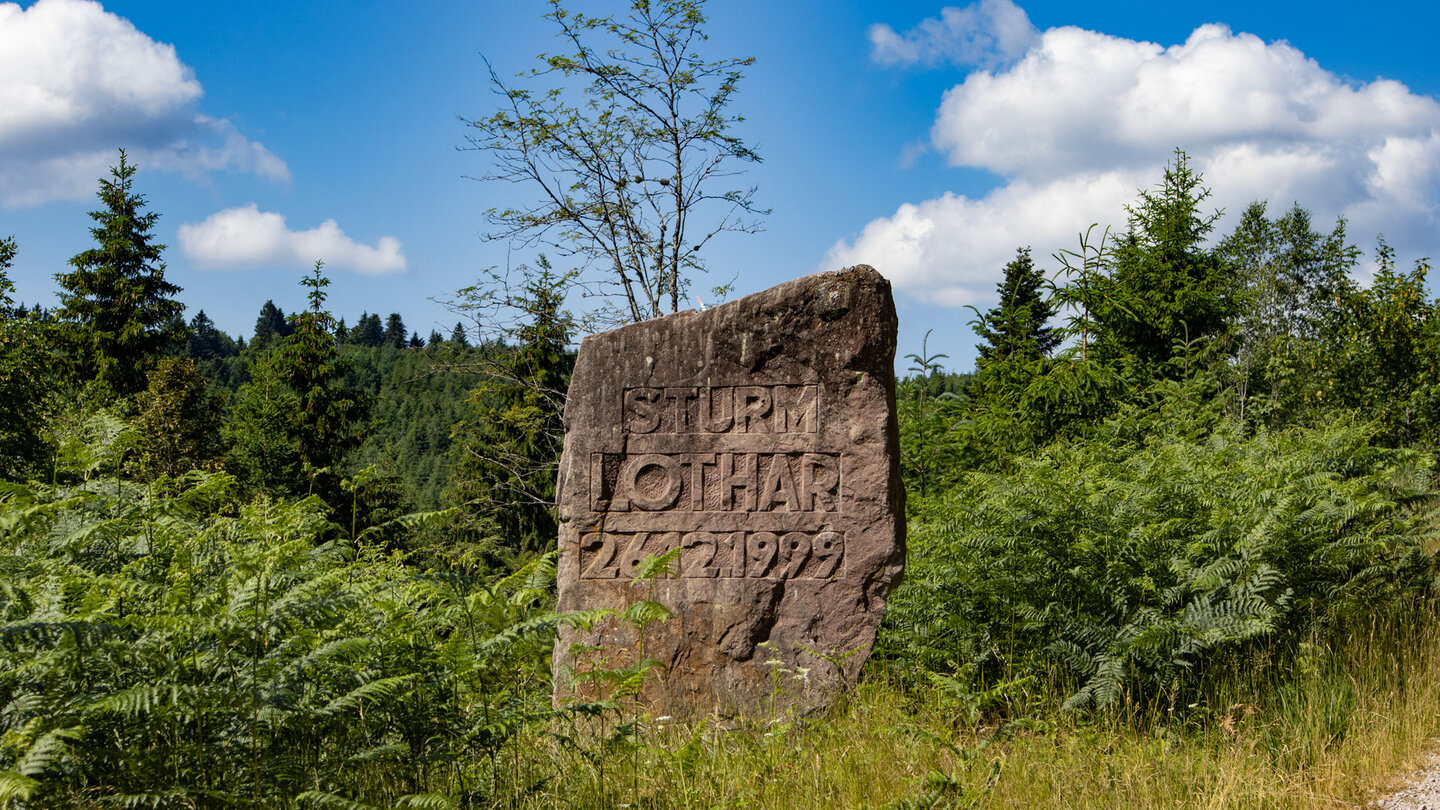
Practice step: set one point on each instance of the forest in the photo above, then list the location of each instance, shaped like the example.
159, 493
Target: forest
1171, 541
313, 567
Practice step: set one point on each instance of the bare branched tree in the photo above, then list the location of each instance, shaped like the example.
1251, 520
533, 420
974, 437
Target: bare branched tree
627, 144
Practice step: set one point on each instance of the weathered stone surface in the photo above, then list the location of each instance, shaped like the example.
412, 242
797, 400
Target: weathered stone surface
759, 437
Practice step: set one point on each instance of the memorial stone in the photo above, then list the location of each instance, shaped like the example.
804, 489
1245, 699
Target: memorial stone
759, 439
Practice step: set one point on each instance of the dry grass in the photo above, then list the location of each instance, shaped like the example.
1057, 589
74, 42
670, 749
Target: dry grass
1333, 730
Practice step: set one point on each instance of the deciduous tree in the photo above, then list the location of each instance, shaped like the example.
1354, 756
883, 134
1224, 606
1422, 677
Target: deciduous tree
7, 287
178, 424
505, 454
25, 364
628, 145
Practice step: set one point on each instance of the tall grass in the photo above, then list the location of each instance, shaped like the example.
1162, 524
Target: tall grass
1331, 731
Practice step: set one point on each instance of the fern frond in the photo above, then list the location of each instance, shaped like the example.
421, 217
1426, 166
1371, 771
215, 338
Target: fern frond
372, 692
15, 786
320, 798
47, 751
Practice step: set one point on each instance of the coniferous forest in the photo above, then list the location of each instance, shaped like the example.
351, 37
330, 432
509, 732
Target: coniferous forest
1172, 542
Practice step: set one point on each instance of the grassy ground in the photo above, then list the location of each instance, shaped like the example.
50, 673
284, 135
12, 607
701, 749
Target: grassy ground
1332, 731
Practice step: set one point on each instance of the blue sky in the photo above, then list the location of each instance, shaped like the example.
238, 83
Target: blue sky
925, 140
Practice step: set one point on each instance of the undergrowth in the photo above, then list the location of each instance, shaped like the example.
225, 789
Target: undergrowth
170, 646
1138, 559
1169, 611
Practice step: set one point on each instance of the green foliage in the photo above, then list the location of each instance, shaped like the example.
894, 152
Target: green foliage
294, 423
1015, 330
929, 447
414, 406
1163, 285
8, 249
270, 326
1291, 284
121, 309
1024, 400
1130, 560
367, 331
457, 335
26, 378
506, 452
1287, 275
178, 421
207, 342
263, 429
1083, 290
1018, 408
172, 646
394, 331
625, 176
1383, 360
413, 403
331, 415
1187, 493
92, 437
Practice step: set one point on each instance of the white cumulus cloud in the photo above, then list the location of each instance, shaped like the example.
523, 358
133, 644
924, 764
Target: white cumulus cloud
986, 34
249, 237
1083, 120
77, 81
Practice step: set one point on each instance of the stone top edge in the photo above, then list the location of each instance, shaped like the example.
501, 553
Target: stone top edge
860, 274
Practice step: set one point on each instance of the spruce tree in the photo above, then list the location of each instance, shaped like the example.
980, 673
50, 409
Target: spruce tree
330, 414
368, 331
1015, 329
394, 331
270, 326
295, 421
1164, 285
120, 307
262, 432
208, 342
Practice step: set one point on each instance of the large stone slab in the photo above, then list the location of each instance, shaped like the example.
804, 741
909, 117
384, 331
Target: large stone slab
760, 439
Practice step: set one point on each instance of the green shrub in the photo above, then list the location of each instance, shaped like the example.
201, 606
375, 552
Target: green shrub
170, 646
1129, 559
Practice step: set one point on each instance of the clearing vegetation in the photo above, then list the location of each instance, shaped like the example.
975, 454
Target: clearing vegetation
1172, 543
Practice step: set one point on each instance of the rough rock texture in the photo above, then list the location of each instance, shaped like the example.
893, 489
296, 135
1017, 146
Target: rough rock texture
758, 438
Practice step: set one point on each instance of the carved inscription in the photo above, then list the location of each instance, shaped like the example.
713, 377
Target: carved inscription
715, 482
704, 554
736, 409
748, 498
